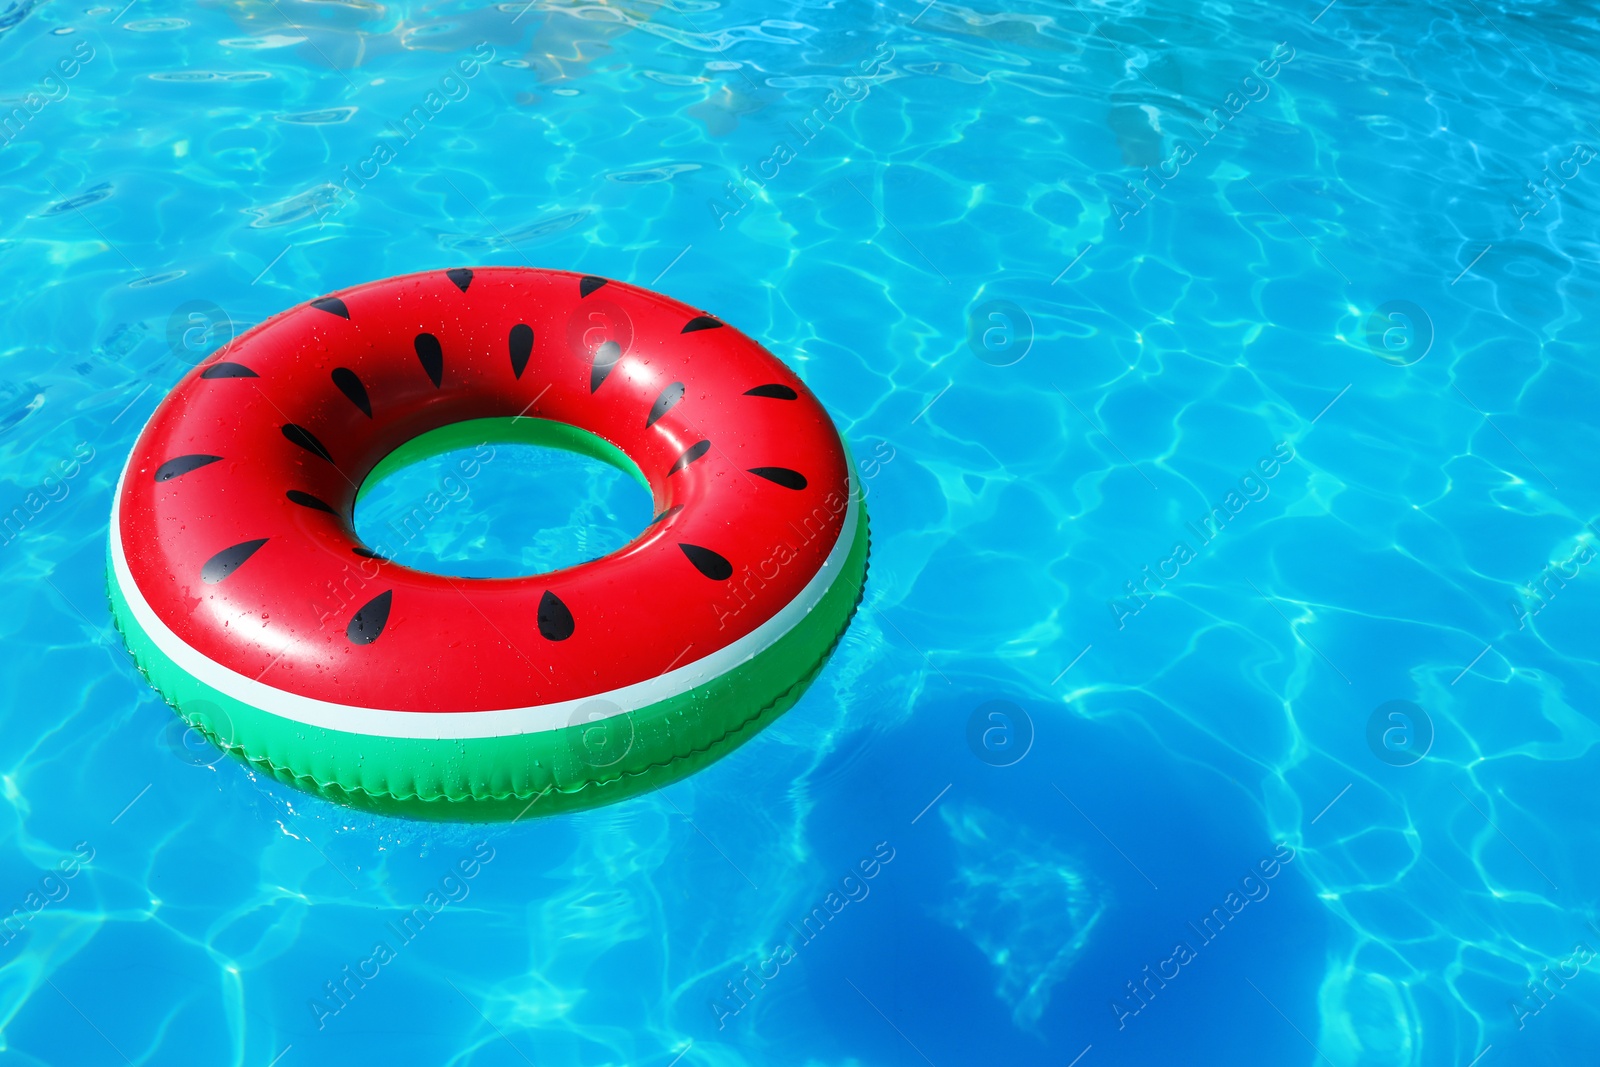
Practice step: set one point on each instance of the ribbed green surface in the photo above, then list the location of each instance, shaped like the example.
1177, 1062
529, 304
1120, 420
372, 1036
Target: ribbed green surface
575, 767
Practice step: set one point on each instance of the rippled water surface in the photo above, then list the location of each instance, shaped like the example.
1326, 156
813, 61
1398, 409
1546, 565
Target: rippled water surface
1222, 380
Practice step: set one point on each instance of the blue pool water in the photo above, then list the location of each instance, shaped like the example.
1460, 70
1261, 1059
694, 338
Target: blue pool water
1080, 283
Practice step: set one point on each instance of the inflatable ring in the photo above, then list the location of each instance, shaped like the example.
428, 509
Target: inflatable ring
246, 598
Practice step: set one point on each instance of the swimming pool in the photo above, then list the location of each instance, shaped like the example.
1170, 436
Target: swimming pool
1217, 378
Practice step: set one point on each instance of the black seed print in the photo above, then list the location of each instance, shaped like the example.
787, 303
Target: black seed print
228, 560
701, 322
431, 355
708, 563
181, 465
332, 305
555, 621
775, 392
690, 454
351, 387
665, 515
228, 370
304, 438
589, 285
781, 475
461, 276
306, 500
521, 347
605, 359
367, 553
369, 622
664, 403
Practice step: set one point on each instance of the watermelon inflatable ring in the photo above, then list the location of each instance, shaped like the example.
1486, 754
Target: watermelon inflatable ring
239, 585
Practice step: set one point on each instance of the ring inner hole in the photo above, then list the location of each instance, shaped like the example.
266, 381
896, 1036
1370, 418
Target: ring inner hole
502, 498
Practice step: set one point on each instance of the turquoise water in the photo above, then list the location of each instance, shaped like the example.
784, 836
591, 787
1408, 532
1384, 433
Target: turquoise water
1223, 391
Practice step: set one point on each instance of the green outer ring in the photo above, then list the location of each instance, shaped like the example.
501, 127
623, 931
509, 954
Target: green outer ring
544, 773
